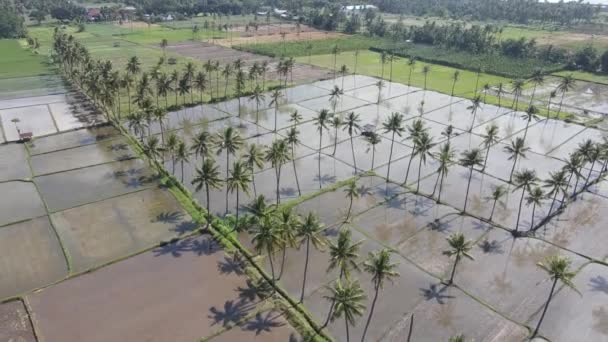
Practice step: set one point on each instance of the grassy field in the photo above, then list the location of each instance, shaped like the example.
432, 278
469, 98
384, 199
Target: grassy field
439, 78
235, 20
494, 64
319, 47
585, 76
19, 62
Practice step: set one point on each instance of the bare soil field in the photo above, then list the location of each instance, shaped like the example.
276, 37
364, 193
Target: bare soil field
135, 24
204, 52
273, 37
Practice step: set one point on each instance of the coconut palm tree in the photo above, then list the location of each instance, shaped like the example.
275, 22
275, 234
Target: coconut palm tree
267, 238
133, 66
415, 130
489, 139
470, 159
528, 116
343, 72
518, 87
259, 97
334, 96
200, 83
321, 121
127, 82
558, 269
591, 154
457, 338
175, 78
499, 91
227, 72
228, 141
356, 54
181, 156
486, 89
275, 98
253, 157
535, 198
335, 51
411, 62
478, 73
448, 132
160, 115
381, 268
498, 193
393, 125
373, 139
346, 298
379, 85
523, 180
391, 59
537, 79
201, 145
295, 118
556, 183
152, 148
289, 225
278, 154
383, 60
566, 84
171, 147
573, 167
516, 150
352, 127
445, 158
238, 181
352, 193
310, 232
335, 122
552, 95
343, 253
424, 143
293, 140
137, 124
474, 107
209, 177
455, 78
459, 248
425, 71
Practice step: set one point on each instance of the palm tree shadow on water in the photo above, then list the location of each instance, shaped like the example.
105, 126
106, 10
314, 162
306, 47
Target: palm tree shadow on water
196, 245
436, 292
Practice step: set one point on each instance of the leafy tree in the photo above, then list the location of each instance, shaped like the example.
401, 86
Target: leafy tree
259, 97
352, 127
415, 130
556, 183
202, 145
498, 193
516, 150
254, 157
267, 238
445, 158
335, 122
181, 156
424, 144
474, 107
276, 97
293, 140
489, 139
534, 198
566, 84
171, 147
373, 139
455, 78
229, 141
289, 225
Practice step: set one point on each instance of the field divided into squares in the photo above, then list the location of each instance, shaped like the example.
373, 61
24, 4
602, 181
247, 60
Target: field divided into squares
41, 105
496, 296
77, 201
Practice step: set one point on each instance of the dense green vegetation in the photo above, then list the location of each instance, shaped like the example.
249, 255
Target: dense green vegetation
18, 62
11, 22
564, 13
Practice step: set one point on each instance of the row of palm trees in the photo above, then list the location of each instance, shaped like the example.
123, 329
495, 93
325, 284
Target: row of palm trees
105, 85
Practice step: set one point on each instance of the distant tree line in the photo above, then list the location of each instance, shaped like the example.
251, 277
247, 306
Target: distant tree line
518, 11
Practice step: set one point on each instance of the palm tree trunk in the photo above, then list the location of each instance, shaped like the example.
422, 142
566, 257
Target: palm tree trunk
275, 117
390, 157
373, 156
347, 332
236, 222
561, 102
493, 208
521, 201
589, 174
182, 166
353, 149
295, 170
208, 203
419, 169
466, 196
454, 269
284, 252
552, 203
335, 141
533, 212
440, 187
331, 309
513, 169
542, 316
271, 264
485, 161
371, 312
129, 97
227, 167
305, 270
278, 184
409, 334
409, 164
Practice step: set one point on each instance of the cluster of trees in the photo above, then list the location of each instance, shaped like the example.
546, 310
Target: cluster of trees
11, 21
589, 59
519, 11
193, 7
